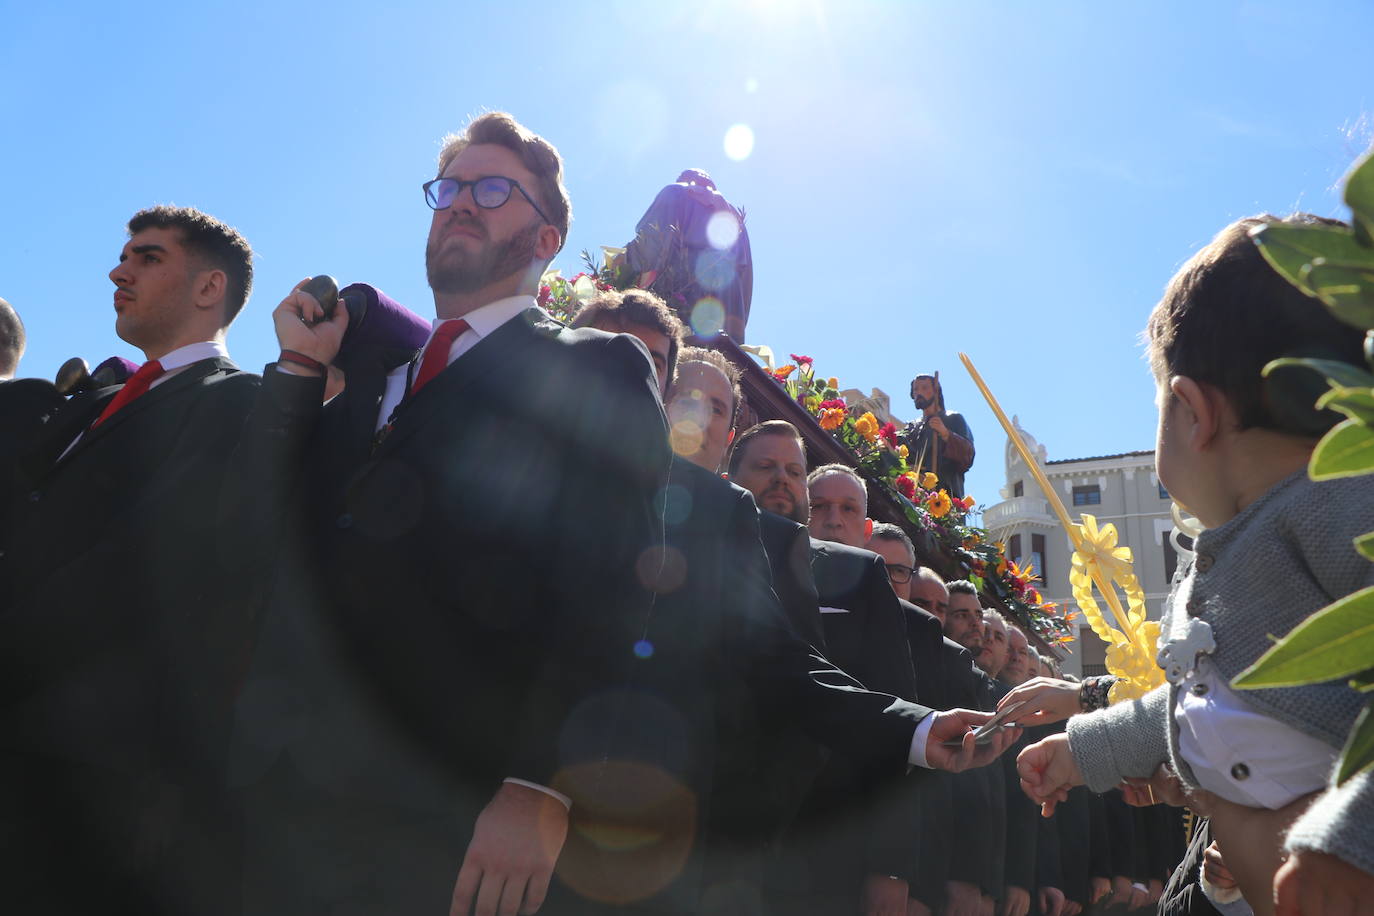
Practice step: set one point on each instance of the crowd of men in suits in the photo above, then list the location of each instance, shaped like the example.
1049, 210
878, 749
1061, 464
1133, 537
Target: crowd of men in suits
514, 623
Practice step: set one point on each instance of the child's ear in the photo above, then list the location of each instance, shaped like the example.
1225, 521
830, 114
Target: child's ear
1202, 408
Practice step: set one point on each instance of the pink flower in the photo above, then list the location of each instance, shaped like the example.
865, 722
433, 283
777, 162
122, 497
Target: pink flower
801, 360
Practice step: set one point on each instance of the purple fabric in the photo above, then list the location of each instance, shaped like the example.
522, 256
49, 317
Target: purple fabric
114, 371
385, 325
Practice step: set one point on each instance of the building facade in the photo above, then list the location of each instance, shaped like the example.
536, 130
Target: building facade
1121, 490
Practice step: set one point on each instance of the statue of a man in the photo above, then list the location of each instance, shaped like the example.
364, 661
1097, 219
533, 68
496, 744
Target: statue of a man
938, 440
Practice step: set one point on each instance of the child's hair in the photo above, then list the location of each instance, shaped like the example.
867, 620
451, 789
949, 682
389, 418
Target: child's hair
1227, 313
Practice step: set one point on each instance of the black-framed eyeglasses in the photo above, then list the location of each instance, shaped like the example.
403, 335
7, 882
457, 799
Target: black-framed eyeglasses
489, 193
899, 573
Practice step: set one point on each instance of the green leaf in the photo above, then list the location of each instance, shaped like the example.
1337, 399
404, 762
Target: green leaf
1359, 191
1365, 545
1346, 289
1355, 403
1346, 451
1339, 374
1358, 753
1289, 248
1335, 642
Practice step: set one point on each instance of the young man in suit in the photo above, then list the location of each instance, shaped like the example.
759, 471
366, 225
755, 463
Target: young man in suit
477, 519
125, 609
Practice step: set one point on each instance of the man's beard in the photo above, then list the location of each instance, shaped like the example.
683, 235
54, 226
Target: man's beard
800, 511
923, 402
460, 271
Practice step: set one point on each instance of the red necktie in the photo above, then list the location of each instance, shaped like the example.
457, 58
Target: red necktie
435, 359
138, 383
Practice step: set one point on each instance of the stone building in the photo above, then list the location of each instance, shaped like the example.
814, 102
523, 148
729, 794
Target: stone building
1121, 489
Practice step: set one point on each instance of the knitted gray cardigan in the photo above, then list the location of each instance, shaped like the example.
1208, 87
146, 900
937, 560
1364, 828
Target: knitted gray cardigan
1282, 558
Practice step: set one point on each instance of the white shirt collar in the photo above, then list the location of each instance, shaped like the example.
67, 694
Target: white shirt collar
182, 357
485, 319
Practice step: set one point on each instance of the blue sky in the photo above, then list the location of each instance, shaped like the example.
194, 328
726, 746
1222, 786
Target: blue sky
1014, 180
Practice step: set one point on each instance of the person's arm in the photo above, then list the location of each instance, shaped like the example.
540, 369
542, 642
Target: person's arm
955, 441
1129, 739
1331, 852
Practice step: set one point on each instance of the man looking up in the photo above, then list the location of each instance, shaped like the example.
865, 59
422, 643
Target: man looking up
701, 410
484, 524
125, 604
495, 494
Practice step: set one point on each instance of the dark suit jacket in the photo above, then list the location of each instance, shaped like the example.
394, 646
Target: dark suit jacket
849, 827
123, 629
25, 404
725, 656
789, 557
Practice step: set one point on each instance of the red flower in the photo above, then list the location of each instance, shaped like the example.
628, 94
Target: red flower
906, 486
833, 404
544, 293
889, 432
802, 360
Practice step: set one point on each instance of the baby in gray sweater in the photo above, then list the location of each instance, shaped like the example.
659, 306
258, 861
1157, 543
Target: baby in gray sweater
1233, 448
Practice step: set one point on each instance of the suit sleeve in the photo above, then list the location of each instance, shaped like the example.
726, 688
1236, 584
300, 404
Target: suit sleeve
1024, 833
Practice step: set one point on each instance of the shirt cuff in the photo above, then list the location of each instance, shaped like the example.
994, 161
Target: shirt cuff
567, 802
917, 756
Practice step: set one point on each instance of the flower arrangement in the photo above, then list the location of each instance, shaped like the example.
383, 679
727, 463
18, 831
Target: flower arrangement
882, 459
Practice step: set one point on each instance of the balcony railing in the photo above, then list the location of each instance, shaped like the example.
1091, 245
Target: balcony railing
1016, 510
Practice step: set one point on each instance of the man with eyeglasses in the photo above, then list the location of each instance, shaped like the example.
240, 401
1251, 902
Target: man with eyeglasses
473, 718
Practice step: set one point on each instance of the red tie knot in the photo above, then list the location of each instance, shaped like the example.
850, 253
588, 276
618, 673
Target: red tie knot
435, 358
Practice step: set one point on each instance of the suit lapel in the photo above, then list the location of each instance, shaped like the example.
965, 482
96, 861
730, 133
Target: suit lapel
189, 377
500, 352
356, 411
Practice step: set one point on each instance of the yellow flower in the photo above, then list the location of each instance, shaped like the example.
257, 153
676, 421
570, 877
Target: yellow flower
832, 382
939, 504
831, 418
1001, 567
867, 426
813, 402
928, 481
903, 451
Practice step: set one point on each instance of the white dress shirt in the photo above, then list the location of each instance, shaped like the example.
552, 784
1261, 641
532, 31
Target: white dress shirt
1241, 754
482, 322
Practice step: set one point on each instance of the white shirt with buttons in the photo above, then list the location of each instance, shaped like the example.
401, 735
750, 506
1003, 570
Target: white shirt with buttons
1240, 754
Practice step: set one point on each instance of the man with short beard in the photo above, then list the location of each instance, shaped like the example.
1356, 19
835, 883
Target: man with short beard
472, 520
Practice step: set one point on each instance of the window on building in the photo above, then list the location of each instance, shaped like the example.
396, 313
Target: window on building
1171, 555
1038, 557
1018, 488
1015, 544
1163, 493
1090, 495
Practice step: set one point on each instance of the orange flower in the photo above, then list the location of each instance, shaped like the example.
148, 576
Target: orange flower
867, 426
831, 418
832, 382
966, 502
784, 371
928, 481
939, 504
